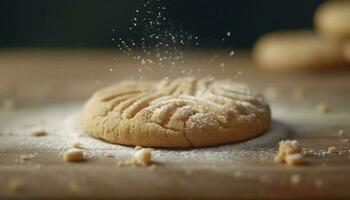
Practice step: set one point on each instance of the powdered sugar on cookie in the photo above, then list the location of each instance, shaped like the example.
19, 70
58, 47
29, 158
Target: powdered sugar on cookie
184, 112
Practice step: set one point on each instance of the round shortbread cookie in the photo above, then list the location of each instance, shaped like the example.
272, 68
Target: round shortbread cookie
184, 112
333, 19
296, 51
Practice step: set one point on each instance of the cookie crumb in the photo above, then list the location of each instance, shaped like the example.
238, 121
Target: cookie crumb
341, 133
295, 179
294, 159
279, 158
332, 149
322, 108
39, 133
15, 185
138, 147
77, 145
131, 162
9, 104
289, 152
346, 140
24, 157
143, 156
73, 155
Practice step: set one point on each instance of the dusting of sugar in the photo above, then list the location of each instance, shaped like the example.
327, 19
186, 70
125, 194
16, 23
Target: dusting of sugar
63, 123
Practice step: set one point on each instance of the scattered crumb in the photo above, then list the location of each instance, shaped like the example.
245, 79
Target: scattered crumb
322, 108
15, 185
138, 147
295, 179
319, 183
131, 161
278, 159
73, 155
24, 157
143, 156
332, 149
294, 159
298, 93
77, 145
341, 133
9, 104
346, 140
39, 133
74, 186
289, 152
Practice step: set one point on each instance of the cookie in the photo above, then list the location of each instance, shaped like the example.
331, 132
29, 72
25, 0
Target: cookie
296, 51
333, 19
179, 113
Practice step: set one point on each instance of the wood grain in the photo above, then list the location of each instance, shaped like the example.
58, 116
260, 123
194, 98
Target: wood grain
35, 76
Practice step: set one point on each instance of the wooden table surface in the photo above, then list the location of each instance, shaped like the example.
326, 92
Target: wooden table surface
34, 77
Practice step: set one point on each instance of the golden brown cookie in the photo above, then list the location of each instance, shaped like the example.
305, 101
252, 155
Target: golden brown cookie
296, 51
184, 112
333, 19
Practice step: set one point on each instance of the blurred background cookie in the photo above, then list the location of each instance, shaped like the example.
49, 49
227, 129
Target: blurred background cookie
333, 19
296, 51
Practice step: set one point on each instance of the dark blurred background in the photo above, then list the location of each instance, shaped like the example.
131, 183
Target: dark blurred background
89, 23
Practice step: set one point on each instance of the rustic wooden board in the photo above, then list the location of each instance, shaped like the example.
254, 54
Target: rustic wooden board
34, 77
